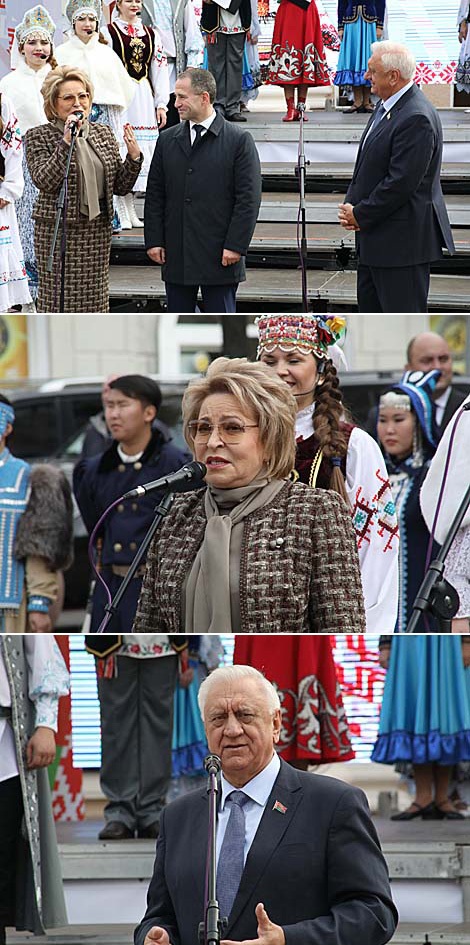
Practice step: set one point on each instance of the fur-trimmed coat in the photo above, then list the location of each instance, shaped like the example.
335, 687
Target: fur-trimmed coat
46, 154
299, 567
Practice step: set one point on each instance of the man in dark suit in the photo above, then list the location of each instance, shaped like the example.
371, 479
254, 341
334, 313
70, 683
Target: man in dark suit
394, 202
428, 351
310, 868
202, 201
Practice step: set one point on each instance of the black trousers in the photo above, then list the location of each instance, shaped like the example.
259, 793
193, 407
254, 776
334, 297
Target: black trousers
215, 298
11, 814
395, 289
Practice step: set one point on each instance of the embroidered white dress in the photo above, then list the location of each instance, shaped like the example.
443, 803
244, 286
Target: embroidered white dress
375, 523
149, 95
13, 279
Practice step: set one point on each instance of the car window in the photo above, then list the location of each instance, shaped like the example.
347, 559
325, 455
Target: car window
35, 433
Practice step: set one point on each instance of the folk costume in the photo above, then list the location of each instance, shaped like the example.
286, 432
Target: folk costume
113, 89
297, 54
359, 23
225, 24
462, 74
23, 88
180, 35
32, 678
13, 278
89, 214
314, 727
366, 479
35, 535
414, 392
140, 50
425, 714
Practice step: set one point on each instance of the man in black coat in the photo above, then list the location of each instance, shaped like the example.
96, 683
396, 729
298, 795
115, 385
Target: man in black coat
202, 201
310, 869
394, 201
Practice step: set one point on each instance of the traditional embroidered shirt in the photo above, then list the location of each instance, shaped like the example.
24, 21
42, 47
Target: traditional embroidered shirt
14, 482
374, 517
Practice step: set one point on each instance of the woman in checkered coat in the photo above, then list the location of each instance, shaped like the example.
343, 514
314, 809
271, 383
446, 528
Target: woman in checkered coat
96, 172
254, 552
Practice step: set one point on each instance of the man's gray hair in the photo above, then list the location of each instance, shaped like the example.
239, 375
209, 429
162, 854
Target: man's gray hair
229, 674
396, 56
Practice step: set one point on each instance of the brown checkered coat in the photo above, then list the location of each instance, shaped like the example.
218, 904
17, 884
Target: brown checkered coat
46, 154
299, 568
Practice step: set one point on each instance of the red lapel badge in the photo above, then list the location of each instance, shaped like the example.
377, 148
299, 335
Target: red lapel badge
280, 807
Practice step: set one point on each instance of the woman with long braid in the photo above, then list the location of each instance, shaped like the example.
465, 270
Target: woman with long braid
335, 454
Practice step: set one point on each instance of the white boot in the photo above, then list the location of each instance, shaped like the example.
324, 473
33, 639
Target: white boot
123, 212
135, 220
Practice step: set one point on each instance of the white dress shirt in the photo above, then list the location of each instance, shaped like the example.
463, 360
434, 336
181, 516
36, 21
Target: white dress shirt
205, 124
258, 790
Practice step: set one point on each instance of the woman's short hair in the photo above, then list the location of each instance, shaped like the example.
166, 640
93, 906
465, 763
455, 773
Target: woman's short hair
53, 83
228, 674
396, 56
259, 391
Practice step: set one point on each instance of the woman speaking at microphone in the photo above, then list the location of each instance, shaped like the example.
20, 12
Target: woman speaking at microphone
96, 172
254, 551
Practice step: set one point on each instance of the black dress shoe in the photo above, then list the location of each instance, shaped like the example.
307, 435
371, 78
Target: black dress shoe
115, 830
237, 116
149, 833
448, 814
427, 813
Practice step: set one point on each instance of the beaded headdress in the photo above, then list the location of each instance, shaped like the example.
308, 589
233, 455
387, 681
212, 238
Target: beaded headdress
76, 8
309, 333
36, 22
7, 415
415, 391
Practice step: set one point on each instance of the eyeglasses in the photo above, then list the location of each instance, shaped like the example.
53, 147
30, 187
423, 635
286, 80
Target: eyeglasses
230, 431
71, 99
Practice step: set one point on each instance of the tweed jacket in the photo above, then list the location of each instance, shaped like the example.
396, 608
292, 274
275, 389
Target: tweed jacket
46, 154
299, 568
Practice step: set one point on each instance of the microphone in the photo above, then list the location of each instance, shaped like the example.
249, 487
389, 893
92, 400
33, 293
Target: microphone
188, 477
212, 764
43, 55
79, 116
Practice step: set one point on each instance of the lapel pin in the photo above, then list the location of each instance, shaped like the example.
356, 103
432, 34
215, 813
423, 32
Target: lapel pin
389, 115
280, 807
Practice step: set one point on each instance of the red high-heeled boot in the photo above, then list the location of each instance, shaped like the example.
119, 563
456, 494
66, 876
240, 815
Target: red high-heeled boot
290, 113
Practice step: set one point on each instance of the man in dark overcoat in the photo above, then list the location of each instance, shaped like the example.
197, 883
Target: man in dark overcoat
202, 201
394, 201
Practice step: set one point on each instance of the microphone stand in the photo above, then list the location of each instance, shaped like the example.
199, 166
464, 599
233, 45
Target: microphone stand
211, 929
61, 205
436, 595
302, 169
161, 512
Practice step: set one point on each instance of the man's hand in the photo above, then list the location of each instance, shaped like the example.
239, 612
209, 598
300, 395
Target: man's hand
40, 750
157, 254
268, 933
38, 622
463, 31
157, 935
346, 216
229, 257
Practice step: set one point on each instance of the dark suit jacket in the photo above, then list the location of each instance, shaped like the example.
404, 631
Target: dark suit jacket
396, 190
201, 200
317, 868
456, 398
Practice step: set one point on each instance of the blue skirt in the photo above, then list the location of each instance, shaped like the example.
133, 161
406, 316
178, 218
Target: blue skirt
425, 714
355, 52
189, 746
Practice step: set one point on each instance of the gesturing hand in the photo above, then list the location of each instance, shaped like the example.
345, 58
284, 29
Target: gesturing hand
157, 936
268, 932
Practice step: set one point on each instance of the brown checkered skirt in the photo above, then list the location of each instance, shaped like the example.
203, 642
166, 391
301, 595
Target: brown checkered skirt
86, 266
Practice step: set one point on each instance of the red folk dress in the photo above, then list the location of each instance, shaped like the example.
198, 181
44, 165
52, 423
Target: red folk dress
297, 55
314, 726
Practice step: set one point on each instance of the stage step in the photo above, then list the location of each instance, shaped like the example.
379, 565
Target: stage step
265, 288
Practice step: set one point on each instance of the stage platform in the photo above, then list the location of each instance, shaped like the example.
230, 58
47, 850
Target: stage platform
332, 136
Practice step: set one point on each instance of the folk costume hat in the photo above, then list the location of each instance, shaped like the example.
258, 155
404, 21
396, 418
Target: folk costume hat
414, 392
36, 22
76, 8
7, 415
317, 334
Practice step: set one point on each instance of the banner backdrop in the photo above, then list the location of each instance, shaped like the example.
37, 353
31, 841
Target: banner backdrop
13, 346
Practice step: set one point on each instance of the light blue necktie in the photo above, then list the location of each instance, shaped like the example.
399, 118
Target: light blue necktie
230, 865
378, 115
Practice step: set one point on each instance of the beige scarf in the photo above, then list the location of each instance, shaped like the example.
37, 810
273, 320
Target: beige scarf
212, 587
90, 172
